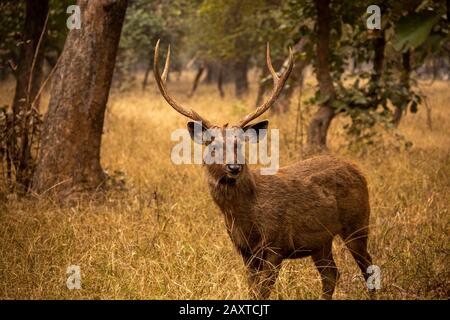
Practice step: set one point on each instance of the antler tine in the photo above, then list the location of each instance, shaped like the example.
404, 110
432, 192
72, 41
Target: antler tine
161, 81
278, 83
270, 66
166, 65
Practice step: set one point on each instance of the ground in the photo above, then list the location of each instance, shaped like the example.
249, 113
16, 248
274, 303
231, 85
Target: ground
163, 238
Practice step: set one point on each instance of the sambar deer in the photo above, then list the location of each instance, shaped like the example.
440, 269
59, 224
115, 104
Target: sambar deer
294, 213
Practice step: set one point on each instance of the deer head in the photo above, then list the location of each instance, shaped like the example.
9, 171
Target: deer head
225, 140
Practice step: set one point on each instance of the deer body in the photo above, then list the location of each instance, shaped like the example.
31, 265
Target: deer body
296, 210
293, 214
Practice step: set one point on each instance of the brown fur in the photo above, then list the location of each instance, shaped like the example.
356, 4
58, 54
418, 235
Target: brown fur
293, 214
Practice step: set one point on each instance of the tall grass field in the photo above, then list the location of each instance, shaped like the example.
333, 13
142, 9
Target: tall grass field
158, 235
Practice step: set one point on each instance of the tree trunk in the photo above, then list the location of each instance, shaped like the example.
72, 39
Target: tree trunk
28, 84
198, 75
220, 81
318, 128
211, 72
69, 159
147, 72
36, 13
404, 78
378, 61
240, 76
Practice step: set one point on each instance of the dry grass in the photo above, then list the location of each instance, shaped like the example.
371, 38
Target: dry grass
164, 239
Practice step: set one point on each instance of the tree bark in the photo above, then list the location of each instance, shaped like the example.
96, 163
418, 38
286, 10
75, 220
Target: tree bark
318, 128
69, 159
36, 13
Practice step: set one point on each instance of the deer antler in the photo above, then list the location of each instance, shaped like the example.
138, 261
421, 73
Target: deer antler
161, 81
278, 84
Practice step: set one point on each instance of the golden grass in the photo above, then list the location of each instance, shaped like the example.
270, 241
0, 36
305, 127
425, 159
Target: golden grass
163, 238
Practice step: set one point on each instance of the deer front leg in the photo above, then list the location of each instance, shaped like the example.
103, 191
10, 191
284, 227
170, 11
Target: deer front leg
262, 274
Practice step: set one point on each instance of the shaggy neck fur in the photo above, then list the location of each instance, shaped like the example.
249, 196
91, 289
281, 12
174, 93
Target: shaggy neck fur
236, 199
231, 195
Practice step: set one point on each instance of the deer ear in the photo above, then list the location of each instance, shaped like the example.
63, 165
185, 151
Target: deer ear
196, 130
256, 131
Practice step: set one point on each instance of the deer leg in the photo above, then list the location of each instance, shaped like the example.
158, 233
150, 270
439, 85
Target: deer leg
358, 249
323, 259
262, 274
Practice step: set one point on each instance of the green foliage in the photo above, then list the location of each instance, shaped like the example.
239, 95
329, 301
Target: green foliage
412, 31
57, 29
13, 17
228, 30
11, 31
147, 21
363, 95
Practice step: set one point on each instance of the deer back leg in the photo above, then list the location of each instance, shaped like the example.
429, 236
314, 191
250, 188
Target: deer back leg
357, 244
323, 259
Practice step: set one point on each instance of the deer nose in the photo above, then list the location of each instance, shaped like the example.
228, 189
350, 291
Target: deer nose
234, 168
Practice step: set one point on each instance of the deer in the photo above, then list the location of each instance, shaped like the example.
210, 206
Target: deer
292, 214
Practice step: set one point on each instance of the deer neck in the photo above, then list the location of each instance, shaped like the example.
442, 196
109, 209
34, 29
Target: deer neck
236, 200
234, 197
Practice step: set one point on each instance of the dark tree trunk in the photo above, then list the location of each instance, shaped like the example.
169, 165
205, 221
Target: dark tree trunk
220, 82
318, 128
211, 73
397, 116
240, 76
36, 13
28, 83
378, 61
404, 78
69, 159
448, 10
214, 71
147, 72
197, 78
261, 91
